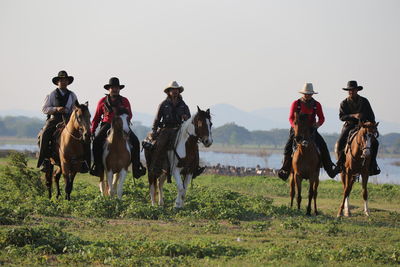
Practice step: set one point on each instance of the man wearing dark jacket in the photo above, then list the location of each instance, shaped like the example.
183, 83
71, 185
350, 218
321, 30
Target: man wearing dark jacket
172, 112
354, 109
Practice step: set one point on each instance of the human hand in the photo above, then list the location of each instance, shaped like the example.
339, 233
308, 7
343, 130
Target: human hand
356, 115
60, 109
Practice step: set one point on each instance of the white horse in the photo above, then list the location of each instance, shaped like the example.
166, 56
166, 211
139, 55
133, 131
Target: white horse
116, 156
184, 158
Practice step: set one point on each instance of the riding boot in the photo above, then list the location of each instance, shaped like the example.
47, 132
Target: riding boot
85, 167
97, 167
331, 169
199, 170
284, 172
44, 148
373, 166
45, 165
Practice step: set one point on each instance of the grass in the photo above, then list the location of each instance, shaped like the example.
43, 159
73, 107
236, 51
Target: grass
227, 221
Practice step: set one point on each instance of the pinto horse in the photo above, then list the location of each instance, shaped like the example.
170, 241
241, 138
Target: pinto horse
358, 159
70, 147
116, 157
183, 158
305, 163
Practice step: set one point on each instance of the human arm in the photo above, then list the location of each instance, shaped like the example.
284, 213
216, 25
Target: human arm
97, 116
320, 115
293, 107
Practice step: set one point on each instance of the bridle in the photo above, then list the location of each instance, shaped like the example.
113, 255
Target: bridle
80, 129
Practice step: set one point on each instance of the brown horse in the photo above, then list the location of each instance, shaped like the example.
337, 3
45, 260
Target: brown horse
70, 147
183, 158
305, 163
116, 156
358, 159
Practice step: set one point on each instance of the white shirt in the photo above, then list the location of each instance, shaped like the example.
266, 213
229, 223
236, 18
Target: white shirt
49, 106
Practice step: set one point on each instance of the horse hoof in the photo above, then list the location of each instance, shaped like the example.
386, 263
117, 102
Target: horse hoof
366, 213
347, 214
316, 213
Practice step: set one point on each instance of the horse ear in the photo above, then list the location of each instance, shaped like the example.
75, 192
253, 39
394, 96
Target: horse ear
208, 111
76, 103
198, 109
87, 103
376, 124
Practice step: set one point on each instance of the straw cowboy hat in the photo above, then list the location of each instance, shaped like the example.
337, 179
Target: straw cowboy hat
114, 81
173, 84
351, 85
308, 89
62, 74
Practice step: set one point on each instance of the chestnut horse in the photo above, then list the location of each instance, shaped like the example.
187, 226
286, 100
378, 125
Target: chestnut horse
305, 163
358, 159
70, 148
183, 158
116, 156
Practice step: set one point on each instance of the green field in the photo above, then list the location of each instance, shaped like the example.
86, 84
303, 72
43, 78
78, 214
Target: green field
227, 221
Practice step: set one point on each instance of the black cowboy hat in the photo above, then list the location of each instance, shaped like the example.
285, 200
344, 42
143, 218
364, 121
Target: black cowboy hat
351, 85
114, 81
62, 74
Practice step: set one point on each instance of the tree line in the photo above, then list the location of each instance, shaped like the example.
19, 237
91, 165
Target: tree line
228, 134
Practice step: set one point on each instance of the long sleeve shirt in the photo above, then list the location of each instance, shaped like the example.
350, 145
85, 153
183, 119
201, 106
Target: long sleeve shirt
169, 115
50, 105
360, 105
307, 109
103, 114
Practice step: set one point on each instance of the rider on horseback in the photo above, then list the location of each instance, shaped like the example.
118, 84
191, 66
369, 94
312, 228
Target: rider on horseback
354, 109
58, 107
308, 105
104, 113
172, 112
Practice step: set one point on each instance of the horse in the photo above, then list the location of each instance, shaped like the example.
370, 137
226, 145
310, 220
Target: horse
357, 162
183, 158
305, 164
116, 156
70, 147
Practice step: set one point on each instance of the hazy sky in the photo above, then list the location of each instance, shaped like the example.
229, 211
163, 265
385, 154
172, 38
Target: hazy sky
251, 54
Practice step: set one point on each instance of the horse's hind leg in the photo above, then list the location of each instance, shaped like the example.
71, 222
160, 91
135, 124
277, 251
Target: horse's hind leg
152, 187
344, 182
161, 181
365, 193
49, 179
57, 179
69, 185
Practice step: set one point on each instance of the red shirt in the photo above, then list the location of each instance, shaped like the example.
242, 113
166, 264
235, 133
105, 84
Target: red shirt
306, 110
104, 116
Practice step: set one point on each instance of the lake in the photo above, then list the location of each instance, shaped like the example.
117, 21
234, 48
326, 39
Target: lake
390, 173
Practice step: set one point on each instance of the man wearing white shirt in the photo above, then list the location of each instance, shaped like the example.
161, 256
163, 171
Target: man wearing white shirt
58, 106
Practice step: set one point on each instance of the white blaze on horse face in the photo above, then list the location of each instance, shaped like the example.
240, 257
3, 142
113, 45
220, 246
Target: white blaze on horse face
367, 150
125, 124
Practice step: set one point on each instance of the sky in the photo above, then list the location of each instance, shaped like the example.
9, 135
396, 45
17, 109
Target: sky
250, 54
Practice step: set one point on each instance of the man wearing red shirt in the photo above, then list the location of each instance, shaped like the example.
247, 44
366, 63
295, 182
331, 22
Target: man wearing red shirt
104, 114
308, 105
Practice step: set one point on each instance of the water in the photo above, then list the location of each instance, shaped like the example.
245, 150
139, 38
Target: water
390, 173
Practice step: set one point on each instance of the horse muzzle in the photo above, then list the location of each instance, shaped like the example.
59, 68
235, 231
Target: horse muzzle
207, 141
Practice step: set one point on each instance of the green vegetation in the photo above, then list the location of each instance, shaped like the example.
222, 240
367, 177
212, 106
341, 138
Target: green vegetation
226, 221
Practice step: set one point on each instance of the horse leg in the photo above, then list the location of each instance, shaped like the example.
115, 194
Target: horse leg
49, 179
365, 193
186, 184
298, 185
109, 182
316, 183
292, 184
161, 181
179, 187
114, 183
347, 212
121, 178
68, 188
341, 207
310, 196
152, 192
102, 185
57, 179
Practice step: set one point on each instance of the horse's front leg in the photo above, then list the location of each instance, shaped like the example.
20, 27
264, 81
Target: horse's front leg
121, 180
57, 179
310, 196
153, 191
179, 187
298, 186
186, 184
316, 183
49, 179
109, 174
365, 192
102, 185
292, 188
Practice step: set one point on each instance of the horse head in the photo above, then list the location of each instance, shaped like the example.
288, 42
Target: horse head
80, 118
301, 129
368, 132
121, 120
202, 125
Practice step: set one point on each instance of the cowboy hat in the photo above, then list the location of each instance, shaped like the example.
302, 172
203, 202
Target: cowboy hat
351, 85
308, 89
114, 81
173, 84
62, 74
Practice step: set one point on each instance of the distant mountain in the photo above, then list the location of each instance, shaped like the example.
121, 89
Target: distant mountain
277, 118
